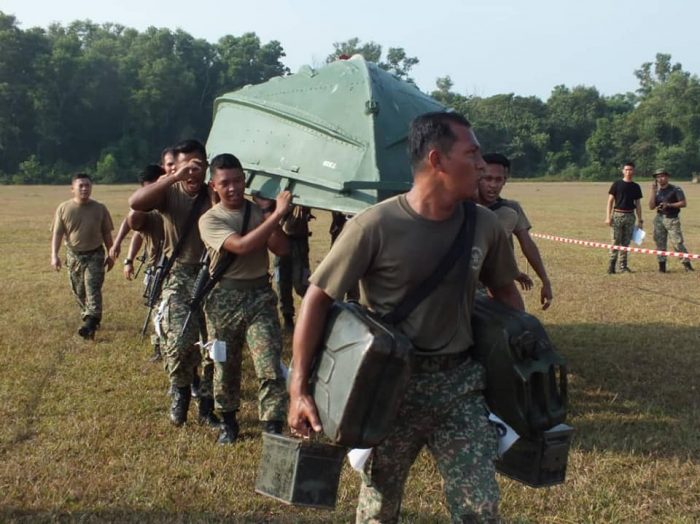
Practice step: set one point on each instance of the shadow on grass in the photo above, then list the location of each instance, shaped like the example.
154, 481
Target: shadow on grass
633, 388
155, 516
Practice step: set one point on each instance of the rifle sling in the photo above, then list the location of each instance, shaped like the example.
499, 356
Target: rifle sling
191, 219
458, 248
228, 258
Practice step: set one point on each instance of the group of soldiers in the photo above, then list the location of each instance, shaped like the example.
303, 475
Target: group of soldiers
624, 204
383, 249
178, 218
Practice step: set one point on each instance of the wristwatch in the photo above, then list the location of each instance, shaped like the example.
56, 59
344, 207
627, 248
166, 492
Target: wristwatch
128, 262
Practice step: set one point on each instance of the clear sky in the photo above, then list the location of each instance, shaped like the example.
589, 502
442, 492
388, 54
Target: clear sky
486, 46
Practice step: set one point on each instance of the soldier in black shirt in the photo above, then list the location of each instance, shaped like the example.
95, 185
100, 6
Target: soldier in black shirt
668, 200
623, 202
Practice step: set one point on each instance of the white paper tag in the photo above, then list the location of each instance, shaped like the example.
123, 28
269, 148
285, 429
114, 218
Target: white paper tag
158, 319
217, 350
358, 457
638, 235
506, 435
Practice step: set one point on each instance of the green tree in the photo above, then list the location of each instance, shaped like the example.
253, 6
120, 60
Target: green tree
397, 62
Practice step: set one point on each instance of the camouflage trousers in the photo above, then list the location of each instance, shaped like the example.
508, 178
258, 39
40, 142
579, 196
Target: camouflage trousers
622, 228
292, 273
446, 412
247, 316
666, 228
86, 273
182, 355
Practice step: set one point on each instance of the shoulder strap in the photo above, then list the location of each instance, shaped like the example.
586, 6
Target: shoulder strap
460, 245
196, 207
191, 219
229, 258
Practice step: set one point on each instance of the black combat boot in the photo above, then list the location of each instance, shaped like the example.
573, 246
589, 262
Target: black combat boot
87, 330
229, 428
611, 267
179, 406
272, 426
156, 357
686, 265
625, 269
662, 267
206, 415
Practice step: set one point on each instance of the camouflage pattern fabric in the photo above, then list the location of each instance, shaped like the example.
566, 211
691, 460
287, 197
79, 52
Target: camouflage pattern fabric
238, 316
181, 354
622, 229
86, 273
666, 228
292, 272
446, 412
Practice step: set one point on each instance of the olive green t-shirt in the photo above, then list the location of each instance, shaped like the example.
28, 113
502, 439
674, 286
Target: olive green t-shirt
84, 226
508, 218
390, 250
152, 233
523, 223
219, 223
175, 211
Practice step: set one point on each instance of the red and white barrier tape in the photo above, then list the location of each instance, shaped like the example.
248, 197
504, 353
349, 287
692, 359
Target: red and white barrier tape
618, 248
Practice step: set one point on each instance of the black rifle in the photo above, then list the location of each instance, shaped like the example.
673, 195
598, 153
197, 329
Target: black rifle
154, 287
142, 260
165, 264
205, 280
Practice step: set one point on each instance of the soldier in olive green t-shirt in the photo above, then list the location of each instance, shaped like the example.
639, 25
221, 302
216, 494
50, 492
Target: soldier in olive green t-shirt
86, 226
241, 308
179, 197
391, 248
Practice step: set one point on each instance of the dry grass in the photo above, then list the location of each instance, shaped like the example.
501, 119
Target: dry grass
85, 435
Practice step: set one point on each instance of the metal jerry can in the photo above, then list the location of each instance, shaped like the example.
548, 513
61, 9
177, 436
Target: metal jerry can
525, 377
360, 376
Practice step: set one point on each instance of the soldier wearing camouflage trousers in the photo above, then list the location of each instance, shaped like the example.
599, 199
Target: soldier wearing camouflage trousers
624, 199
667, 200
241, 308
388, 248
181, 198
87, 226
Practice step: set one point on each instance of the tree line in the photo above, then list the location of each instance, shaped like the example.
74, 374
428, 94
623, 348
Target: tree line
106, 99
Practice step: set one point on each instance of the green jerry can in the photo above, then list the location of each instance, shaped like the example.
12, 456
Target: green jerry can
334, 136
526, 388
525, 377
360, 376
302, 472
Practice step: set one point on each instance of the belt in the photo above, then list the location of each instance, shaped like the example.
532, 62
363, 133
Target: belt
626, 211
88, 252
437, 363
243, 284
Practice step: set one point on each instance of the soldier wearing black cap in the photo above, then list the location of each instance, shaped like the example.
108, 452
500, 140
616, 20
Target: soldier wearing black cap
668, 200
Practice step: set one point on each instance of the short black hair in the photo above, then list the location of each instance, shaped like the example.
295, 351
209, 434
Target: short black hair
78, 176
631, 164
170, 150
190, 146
150, 173
224, 161
432, 130
497, 159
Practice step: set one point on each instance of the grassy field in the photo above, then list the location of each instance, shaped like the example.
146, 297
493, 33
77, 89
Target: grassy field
85, 436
